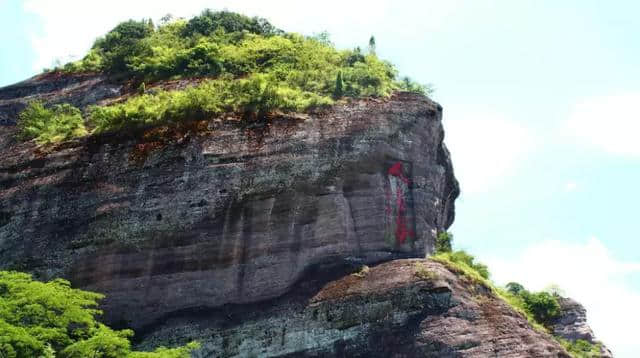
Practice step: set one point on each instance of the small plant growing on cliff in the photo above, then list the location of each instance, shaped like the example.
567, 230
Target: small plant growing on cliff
422, 272
581, 348
408, 85
462, 261
362, 272
252, 68
514, 288
542, 307
339, 91
47, 319
51, 125
444, 242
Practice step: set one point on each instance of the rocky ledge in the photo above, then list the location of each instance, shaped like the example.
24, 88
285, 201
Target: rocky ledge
572, 325
404, 308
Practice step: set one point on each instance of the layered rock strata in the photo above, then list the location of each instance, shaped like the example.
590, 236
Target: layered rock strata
209, 213
572, 325
403, 308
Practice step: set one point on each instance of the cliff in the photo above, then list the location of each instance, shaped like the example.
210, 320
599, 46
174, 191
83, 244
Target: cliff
251, 236
402, 308
218, 212
572, 325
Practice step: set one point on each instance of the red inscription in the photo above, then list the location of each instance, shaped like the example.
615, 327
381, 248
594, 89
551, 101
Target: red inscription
401, 232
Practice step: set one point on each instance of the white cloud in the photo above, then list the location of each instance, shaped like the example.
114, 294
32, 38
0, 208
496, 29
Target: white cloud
609, 123
485, 148
588, 273
571, 186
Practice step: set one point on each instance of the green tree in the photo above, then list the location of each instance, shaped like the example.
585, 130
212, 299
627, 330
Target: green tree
372, 45
209, 21
444, 242
515, 288
123, 43
339, 90
47, 319
543, 305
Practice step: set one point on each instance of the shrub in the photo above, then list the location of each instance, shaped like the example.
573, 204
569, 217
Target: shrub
209, 21
464, 263
422, 272
50, 125
253, 97
514, 288
47, 319
218, 43
543, 306
443, 242
362, 271
407, 84
123, 43
581, 348
254, 69
339, 90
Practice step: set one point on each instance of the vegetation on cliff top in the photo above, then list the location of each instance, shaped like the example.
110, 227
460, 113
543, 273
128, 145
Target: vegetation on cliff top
252, 69
51, 319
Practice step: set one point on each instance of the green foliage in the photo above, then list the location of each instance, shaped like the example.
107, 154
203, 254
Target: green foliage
362, 271
218, 43
339, 90
514, 288
422, 272
581, 348
465, 263
50, 125
47, 319
408, 85
540, 308
372, 45
517, 303
209, 21
123, 43
253, 69
444, 242
253, 97
543, 306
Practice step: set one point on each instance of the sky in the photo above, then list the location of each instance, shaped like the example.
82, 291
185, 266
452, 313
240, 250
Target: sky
541, 113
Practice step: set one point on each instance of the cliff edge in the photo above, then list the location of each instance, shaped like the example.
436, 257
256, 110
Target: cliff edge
223, 211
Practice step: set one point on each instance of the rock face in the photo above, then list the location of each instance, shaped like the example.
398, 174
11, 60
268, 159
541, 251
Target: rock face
224, 212
572, 325
403, 308
79, 90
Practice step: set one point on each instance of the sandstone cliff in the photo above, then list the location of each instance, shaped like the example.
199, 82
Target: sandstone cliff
572, 325
403, 308
223, 212
245, 235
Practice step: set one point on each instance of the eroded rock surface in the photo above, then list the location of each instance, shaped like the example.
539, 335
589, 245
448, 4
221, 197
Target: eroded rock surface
572, 325
80, 90
224, 212
393, 310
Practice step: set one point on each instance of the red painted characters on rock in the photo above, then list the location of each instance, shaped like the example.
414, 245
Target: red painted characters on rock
396, 195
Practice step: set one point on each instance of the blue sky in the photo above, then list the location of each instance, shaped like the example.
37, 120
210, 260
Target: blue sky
541, 113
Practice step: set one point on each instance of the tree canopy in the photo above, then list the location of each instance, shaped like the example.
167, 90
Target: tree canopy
250, 68
52, 319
